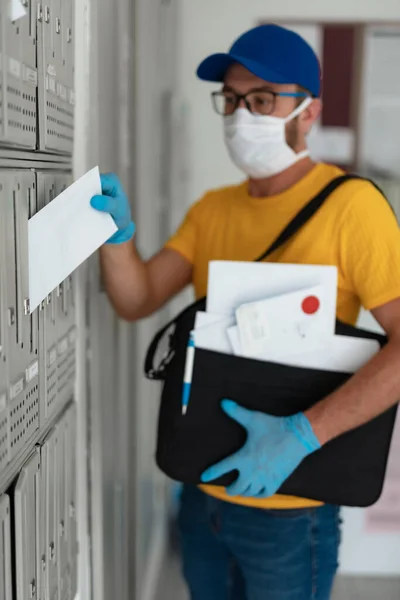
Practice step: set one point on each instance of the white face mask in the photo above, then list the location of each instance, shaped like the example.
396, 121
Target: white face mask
257, 143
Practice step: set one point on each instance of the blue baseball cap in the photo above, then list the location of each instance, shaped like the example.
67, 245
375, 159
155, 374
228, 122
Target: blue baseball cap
272, 53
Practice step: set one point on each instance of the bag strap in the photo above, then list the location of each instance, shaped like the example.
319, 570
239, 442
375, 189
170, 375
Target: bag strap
150, 371
305, 214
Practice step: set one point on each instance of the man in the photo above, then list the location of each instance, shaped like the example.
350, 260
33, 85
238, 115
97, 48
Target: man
246, 543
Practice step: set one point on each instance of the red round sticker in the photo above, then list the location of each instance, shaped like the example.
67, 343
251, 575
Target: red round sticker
310, 305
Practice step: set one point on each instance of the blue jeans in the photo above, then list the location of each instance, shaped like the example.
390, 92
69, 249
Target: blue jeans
232, 552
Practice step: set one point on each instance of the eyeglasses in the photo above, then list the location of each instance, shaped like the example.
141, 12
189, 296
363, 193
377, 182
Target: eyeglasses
260, 102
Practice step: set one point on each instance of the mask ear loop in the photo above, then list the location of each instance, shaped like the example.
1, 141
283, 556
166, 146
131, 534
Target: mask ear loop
295, 114
297, 111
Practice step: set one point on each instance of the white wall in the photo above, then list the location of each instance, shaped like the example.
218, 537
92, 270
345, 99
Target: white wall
210, 26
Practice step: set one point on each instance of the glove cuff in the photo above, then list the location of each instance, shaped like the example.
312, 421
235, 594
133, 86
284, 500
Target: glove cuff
302, 429
123, 235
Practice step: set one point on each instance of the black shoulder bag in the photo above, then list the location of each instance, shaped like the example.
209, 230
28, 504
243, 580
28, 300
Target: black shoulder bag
348, 471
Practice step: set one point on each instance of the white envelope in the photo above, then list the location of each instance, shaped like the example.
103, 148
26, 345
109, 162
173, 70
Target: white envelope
234, 339
284, 320
213, 336
276, 349
204, 319
16, 10
64, 234
338, 354
232, 283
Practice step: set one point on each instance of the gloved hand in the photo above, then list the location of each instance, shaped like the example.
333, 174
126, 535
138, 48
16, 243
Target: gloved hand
115, 202
274, 448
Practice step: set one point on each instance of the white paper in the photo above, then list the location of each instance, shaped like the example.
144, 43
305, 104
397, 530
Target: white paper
286, 319
64, 234
16, 10
234, 339
277, 349
204, 319
231, 284
340, 354
213, 336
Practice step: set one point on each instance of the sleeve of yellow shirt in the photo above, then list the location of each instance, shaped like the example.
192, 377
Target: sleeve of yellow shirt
370, 247
185, 239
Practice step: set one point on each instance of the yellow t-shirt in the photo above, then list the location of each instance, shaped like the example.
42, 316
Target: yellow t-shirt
354, 230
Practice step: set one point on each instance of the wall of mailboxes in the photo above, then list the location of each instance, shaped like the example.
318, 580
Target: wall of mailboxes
38, 522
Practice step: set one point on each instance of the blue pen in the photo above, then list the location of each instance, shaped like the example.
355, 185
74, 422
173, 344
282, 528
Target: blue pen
187, 379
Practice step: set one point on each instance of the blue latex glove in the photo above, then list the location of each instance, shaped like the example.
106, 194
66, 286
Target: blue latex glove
115, 202
274, 448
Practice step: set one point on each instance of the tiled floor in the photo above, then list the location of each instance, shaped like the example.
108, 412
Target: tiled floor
172, 588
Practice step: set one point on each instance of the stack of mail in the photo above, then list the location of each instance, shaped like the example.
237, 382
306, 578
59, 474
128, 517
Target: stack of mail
280, 313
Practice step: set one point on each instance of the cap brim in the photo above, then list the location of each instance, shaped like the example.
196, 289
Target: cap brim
214, 68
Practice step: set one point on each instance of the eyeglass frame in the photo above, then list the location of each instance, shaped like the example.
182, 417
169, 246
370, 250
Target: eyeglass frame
240, 97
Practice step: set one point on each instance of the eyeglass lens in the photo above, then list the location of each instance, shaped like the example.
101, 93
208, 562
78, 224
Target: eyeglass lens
226, 102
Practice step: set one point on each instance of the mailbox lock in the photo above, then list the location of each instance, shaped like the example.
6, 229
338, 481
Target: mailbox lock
52, 551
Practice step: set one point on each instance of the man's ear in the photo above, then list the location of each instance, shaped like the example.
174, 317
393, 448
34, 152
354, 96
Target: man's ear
310, 115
